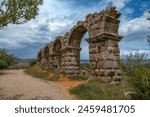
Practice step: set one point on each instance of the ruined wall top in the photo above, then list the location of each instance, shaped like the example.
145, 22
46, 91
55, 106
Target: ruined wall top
111, 11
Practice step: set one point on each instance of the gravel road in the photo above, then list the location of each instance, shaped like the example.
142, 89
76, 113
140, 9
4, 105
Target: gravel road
17, 85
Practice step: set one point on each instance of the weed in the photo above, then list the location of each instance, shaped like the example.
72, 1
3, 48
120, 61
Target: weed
98, 90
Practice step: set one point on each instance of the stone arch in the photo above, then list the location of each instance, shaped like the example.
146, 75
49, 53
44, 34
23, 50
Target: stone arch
73, 58
104, 55
56, 56
76, 35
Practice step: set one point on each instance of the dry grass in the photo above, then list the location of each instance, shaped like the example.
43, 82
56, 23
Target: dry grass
47, 74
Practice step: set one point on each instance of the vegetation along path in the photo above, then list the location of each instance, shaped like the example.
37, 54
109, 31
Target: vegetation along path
15, 84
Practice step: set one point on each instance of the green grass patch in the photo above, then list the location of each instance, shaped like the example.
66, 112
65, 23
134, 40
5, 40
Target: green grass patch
83, 78
98, 90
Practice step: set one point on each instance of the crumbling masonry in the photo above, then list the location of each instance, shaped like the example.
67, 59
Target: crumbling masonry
63, 54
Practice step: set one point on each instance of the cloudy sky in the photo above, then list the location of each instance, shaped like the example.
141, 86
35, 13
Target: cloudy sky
58, 16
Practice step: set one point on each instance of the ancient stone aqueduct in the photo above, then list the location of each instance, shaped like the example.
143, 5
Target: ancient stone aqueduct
63, 54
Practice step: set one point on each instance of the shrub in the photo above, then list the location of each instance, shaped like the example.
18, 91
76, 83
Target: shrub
147, 65
98, 90
139, 76
140, 79
3, 64
132, 61
6, 59
33, 62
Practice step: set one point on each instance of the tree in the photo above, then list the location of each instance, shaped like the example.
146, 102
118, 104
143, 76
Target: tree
18, 11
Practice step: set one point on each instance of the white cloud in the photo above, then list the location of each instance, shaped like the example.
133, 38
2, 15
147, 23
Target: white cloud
16, 36
128, 10
57, 16
135, 33
136, 25
119, 4
58, 24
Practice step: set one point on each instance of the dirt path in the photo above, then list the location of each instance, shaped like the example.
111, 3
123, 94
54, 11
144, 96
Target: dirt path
15, 84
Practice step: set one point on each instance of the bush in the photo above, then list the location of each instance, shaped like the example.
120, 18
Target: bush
139, 76
132, 61
33, 62
98, 90
3, 64
140, 79
6, 59
147, 65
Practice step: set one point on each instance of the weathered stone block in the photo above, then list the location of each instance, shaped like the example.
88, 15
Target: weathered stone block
118, 72
104, 55
109, 64
93, 50
97, 71
107, 79
101, 65
110, 73
102, 73
92, 57
117, 78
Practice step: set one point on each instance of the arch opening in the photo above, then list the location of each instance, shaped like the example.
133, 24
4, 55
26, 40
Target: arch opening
78, 46
76, 36
84, 56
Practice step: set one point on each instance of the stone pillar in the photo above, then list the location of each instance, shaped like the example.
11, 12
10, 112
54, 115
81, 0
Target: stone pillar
71, 61
104, 57
38, 61
57, 61
50, 61
44, 61
63, 59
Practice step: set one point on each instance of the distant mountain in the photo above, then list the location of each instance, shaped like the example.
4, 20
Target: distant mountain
25, 60
84, 61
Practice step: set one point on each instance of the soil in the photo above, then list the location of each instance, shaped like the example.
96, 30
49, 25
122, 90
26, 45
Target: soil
16, 84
